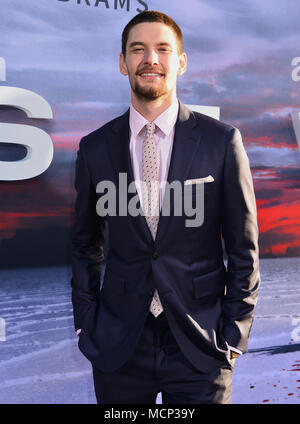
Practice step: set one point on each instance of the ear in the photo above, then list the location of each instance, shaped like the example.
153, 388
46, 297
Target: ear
122, 64
182, 64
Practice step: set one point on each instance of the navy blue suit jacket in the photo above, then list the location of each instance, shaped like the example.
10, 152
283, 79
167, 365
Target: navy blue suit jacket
208, 305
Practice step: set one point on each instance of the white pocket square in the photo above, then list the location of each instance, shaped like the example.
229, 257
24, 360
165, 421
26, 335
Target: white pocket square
208, 179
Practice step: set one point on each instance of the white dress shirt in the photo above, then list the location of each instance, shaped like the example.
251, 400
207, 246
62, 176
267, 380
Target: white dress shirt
163, 138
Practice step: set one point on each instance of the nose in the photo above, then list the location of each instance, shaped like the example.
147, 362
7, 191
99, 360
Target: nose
151, 57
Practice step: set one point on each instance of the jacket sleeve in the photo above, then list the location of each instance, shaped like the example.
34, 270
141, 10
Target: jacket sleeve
240, 234
87, 242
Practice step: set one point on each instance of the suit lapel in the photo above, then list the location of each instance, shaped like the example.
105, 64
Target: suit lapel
120, 156
119, 144
185, 144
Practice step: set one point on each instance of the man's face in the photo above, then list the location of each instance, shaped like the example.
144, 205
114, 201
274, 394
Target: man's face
152, 62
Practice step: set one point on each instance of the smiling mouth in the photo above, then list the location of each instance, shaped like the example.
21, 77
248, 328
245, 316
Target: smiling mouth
150, 75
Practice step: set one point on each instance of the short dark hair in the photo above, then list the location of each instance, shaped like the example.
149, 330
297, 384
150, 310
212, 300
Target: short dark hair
152, 16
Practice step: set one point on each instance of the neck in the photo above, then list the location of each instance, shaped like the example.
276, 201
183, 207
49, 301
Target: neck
151, 109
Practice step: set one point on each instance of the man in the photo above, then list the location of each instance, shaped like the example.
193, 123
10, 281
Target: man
170, 317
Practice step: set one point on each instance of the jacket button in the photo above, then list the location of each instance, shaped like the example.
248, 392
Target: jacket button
155, 255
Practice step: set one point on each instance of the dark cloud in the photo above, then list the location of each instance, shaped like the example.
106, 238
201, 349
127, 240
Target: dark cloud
281, 240
288, 174
266, 194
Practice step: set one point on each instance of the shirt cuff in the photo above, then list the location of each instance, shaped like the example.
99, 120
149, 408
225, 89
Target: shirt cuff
235, 350
78, 331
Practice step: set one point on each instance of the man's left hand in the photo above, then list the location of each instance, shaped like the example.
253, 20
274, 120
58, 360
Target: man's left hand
233, 355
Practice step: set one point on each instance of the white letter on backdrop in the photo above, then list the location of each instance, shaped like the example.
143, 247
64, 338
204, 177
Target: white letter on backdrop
37, 142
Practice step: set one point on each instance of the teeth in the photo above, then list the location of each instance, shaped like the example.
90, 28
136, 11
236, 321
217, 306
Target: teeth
150, 75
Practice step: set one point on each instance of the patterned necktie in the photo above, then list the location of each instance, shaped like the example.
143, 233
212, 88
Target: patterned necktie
150, 193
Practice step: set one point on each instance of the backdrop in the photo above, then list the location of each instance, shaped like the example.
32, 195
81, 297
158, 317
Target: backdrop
242, 57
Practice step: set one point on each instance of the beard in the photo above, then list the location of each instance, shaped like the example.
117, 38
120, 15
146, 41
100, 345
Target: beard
148, 93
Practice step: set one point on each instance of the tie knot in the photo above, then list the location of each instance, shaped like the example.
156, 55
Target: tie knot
150, 129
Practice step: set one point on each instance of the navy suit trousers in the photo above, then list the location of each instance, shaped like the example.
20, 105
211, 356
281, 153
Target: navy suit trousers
158, 365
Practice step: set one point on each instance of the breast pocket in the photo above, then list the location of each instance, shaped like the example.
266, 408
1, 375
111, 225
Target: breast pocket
200, 189
198, 199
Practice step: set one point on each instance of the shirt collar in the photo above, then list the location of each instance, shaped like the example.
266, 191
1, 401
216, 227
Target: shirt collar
165, 121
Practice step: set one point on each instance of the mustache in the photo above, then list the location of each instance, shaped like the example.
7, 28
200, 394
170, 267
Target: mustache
156, 71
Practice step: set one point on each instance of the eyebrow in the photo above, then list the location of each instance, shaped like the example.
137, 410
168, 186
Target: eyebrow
140, 43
